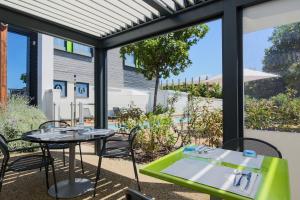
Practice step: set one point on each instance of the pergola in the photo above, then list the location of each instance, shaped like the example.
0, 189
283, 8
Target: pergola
105, 24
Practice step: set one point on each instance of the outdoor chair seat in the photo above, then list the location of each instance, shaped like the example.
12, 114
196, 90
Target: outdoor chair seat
116, 144
115, 153
29, 163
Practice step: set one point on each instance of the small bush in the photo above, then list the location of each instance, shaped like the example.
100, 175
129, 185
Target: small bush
18, 117
281, 112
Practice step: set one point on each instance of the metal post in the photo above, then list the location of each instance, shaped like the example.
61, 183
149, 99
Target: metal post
80, 110
74, 100
231, 73
54, 105
100, 91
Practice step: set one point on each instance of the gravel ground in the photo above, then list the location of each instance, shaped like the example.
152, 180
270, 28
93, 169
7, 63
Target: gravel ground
116, 177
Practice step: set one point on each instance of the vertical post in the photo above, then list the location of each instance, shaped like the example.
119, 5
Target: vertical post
74, 101
100, 91
100, 88
231, 63
3, 63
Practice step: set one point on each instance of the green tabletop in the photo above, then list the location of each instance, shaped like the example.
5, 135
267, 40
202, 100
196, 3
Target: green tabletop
274, 184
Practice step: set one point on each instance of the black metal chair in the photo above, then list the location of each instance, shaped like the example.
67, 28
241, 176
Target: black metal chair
25, 163
118, 147
60, 124
135, 195
261, 147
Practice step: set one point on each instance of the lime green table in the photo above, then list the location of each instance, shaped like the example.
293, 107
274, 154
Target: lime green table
274, 184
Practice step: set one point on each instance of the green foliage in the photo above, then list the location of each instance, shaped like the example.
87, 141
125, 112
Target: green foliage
281, 112
198, 90
18, 117
164, 55
281, 58
24, 78
205, 124
156, 135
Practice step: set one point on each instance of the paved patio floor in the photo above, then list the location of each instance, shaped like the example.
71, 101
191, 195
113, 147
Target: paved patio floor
116, 177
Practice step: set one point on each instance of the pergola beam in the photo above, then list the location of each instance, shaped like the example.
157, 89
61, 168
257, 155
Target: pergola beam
17, 18
185, 18
164, 11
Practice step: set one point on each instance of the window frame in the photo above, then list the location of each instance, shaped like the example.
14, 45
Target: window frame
66, 87
88, 90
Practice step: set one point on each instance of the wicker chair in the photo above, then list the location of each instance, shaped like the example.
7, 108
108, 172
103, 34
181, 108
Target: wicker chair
60, 124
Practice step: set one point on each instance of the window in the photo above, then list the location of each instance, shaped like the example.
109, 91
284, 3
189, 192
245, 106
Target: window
129, 60
59, 44
272, 67
62, 86
82, 90
82, 49
72, 47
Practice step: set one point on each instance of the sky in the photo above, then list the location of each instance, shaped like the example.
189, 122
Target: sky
206, 55
16, 60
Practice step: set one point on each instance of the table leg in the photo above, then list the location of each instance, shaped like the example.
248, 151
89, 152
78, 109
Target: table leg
72, 187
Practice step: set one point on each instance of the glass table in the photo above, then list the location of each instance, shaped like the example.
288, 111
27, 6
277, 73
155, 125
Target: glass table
72, 187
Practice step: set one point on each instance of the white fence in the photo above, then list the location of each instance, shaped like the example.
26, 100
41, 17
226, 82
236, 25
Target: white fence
63, 107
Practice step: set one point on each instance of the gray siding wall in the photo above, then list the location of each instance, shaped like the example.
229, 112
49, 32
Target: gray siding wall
67, 64
123, 78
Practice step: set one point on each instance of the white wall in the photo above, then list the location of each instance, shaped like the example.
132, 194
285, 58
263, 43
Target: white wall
45, 69
289, 146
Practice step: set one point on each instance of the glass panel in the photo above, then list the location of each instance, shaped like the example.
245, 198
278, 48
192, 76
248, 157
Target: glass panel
59, 44
82, 90
272, 79
129, 60
62, 86
271, 67
82, 49
17, 64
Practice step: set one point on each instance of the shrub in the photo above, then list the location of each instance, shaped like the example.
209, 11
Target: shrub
204, 122
281, 112
18, 117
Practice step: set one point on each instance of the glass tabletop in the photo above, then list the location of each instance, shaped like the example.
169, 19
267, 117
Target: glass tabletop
66, 135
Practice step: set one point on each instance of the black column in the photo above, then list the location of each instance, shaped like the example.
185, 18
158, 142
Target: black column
100, 88
231, 72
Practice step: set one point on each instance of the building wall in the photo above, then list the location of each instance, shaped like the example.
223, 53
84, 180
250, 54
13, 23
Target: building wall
67, 64
121, 77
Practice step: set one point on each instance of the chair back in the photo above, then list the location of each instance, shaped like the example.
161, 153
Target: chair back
4, 152
259, 146
54, 124
133, 133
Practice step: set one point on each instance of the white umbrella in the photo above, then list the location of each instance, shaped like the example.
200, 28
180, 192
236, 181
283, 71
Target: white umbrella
249, 75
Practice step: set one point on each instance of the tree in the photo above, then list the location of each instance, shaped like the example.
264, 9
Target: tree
164, 55
283, 57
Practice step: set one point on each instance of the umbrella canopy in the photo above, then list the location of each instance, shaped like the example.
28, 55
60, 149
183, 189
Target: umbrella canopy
249, 75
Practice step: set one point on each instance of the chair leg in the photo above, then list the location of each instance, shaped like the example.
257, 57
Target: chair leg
135, 170
54, 178
64, 157
98, 174
81, 158
47, 177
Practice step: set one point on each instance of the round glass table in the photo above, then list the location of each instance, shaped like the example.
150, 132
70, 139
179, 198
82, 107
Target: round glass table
72, 187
